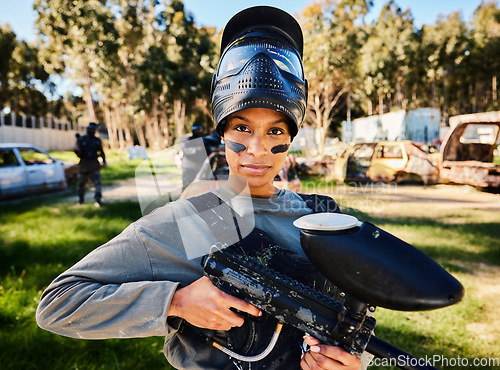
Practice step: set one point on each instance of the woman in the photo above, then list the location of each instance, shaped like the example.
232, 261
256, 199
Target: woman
148, 280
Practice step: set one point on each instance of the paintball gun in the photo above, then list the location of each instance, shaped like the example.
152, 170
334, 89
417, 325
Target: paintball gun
370, 266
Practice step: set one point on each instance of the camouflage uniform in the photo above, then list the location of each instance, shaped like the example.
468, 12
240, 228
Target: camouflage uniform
89, 149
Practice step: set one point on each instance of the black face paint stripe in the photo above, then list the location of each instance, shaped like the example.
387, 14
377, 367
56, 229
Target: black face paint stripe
235, 147
280, 148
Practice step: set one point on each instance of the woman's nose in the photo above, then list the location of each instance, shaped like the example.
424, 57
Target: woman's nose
257, 147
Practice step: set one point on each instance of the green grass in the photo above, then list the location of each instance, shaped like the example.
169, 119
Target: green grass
465, 241
41, 237
38, 240
120, 168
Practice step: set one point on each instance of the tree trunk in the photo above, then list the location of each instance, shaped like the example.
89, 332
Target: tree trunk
129, 140
164, 122
119, 129
121, 140
149, 131
164, 128
380, 103
203, 105
115, 126
445, 96
494, 93
140, 134
156, 127
179, 117
348, 117
476, 99
88, 92
399, 93
109, 126
433, 86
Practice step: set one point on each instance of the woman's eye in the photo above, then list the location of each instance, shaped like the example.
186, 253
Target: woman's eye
276, 131
241, 128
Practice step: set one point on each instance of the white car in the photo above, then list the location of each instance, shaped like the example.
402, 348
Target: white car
26, 169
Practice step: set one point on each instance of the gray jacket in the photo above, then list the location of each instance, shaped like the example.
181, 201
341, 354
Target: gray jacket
123, 289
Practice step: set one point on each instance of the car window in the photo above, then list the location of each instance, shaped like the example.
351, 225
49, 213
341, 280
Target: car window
480, 134
8, 158
363, 151
389, 151
32, 156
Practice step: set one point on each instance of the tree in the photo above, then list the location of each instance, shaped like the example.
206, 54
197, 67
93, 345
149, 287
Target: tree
119, 87
193, 52
21, 76
143, 61
79, 40
446, 44
332, 41
385, 58
26, 72
484, 52
8, 43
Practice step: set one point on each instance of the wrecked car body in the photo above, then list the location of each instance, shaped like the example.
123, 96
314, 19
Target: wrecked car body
467, 152
387, 161
353, 164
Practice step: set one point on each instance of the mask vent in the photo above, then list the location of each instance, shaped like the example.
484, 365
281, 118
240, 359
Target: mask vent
223, 87
262, 65
260, 83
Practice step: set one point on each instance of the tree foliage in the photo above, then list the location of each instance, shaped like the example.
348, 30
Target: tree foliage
332, 42
137, 62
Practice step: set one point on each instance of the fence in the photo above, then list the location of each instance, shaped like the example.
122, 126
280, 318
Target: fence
46, 133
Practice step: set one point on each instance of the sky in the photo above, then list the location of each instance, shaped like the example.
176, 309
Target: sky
20, 15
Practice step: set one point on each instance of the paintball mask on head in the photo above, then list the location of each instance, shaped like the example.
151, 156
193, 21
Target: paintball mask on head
260, 67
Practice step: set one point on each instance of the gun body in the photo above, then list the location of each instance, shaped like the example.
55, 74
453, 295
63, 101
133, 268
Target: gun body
370, 265
290, 301
300, 306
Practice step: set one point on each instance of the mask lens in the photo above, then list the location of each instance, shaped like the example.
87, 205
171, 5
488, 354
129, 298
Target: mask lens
285, 57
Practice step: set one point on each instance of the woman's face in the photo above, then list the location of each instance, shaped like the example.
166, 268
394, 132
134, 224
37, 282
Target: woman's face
257, 142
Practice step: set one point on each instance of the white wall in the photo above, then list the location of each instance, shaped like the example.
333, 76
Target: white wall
421, 125
46, 138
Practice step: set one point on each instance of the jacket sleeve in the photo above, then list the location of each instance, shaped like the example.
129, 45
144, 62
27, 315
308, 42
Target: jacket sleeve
111, 293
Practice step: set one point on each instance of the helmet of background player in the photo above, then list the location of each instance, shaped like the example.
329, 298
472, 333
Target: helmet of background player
197, 131
260, 67
91, 129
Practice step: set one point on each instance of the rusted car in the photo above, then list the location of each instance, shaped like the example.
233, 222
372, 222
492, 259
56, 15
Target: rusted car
387, 161
467, 152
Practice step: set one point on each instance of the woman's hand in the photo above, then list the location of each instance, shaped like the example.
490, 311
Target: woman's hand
321, 356
204, 305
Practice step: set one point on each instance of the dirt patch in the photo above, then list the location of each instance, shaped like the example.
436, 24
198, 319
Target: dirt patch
125, 190
417, 201
441, 195
452, 205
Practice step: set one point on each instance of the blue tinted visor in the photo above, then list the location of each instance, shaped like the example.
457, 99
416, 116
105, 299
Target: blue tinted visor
285, 56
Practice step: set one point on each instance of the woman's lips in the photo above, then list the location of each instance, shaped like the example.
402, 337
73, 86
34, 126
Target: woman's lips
255, 169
